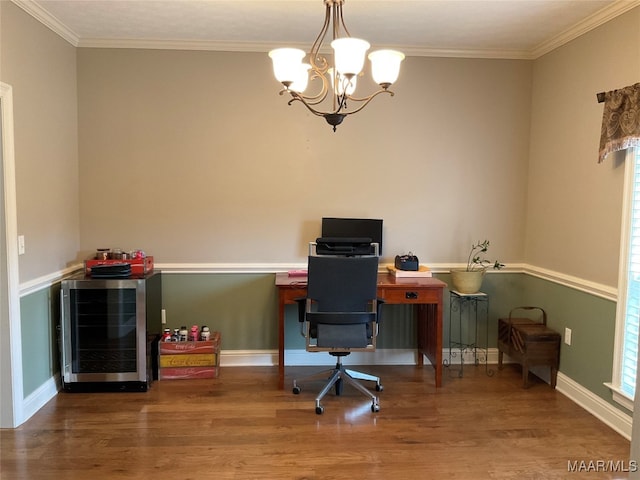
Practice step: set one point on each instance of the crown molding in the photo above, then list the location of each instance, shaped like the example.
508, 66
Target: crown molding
608, 13
599, 18
48, 20
257, 47
158, 44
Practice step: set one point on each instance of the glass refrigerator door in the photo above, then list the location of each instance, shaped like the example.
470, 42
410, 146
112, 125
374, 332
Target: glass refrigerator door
103, 330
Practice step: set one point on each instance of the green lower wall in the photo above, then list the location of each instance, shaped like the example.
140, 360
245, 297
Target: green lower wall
40, 315
589, 359
243, 307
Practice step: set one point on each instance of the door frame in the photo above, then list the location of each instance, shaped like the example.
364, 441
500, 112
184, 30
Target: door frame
11, 383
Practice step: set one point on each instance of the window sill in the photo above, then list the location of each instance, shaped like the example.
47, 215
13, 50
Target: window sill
620, 397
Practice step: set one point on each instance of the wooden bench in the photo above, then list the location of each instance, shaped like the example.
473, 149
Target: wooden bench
530, 343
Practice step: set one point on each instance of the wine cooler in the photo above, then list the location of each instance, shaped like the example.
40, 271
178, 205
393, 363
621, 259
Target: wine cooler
109, 331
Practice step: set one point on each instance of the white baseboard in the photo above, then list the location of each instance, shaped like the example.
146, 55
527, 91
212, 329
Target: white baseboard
300, 357
39, 398
379, 357
596, 406
248, 358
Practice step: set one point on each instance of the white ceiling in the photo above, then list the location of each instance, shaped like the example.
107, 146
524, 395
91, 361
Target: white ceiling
471, 28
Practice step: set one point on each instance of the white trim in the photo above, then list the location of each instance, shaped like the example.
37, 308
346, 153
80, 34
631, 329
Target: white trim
596, 406
48, 20
623, 270
228, 267
619, 396
41, 396
47, 281
248, 358
11, 396
597, 289
388, 356
258, 267
590, 23
253, 47
300, 357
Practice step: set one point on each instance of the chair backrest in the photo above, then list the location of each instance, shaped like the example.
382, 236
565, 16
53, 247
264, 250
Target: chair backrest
341, 303
342, 284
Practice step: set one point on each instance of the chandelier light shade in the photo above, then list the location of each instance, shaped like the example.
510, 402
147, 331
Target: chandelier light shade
385, 66
302, 79
287, 64
348, 55
335, 82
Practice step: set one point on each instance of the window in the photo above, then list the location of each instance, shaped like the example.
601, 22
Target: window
628, 309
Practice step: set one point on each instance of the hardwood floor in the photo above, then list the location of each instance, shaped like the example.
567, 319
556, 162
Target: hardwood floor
240, 426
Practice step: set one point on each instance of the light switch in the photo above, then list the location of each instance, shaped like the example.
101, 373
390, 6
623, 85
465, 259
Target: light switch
20, 244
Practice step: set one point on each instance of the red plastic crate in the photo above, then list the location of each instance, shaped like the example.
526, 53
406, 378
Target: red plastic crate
139, 266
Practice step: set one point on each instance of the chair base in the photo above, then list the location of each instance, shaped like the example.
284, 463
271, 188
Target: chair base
337, 375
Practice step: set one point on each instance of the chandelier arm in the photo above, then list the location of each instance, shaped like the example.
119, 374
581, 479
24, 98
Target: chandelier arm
366, 101
303, 98
369, 97
322, 94
298, 98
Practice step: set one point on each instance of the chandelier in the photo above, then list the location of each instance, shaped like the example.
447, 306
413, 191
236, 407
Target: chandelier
336, 81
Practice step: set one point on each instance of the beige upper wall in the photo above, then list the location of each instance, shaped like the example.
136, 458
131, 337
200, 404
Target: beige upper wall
41, 68
575, 204
195, 157
180, 159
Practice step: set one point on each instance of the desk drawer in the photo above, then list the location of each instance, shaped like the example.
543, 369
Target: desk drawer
408, 295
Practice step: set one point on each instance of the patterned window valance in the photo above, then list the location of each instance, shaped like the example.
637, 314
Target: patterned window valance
620, 120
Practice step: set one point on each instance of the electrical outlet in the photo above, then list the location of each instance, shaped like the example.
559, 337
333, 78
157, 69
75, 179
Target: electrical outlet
567, 336
20, 244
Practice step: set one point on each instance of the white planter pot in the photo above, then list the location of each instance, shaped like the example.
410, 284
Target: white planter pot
467, 282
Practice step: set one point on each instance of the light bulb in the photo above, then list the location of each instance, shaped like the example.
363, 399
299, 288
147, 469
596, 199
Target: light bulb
342, 82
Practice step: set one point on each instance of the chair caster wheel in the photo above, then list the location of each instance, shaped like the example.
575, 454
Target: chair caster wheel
379, 388
296, 390
319, 410
375, 408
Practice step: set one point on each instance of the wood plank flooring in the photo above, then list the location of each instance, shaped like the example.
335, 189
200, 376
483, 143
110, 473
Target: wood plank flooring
240, 426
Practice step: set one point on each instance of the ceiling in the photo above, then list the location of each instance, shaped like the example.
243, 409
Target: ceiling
464, 28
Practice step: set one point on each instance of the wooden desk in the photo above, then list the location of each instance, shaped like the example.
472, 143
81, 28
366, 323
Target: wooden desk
424, 293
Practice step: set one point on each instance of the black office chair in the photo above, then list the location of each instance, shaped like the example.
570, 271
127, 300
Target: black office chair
340, 315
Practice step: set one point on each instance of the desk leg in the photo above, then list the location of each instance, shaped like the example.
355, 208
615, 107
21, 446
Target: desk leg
281, 342
430, 337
